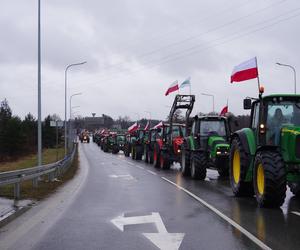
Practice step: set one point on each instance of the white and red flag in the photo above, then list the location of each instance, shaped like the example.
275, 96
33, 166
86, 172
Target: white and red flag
245, 71
159, 125
173, 87
224, 110
147, 127
133, 127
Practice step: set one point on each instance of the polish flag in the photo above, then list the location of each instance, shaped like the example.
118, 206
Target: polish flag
173, 87
245, 71
133, 128
159, 125
147, 126
224, 110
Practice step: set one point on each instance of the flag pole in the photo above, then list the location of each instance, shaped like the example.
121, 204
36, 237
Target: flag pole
258, 82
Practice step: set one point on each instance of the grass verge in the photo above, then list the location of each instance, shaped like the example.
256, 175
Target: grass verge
45, 188
49, 155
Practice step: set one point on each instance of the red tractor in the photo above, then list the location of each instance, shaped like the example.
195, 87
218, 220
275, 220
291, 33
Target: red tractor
167, 148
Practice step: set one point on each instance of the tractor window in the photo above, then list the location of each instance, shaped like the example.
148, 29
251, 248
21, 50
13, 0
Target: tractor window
176, 131
120, 138
279, 114
208, 128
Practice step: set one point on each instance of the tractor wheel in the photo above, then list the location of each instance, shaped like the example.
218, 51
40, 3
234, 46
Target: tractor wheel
126, 151
133, 153
150, 157
222, 166
164, 161
269, 179
198, 166
156, 156
237, 170
138, 153
295, 188
146, 152
185, 161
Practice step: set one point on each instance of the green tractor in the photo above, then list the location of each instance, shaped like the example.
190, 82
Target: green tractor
265, 157
137, 145
207, 146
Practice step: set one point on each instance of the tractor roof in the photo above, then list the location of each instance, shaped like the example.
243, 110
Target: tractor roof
212, 117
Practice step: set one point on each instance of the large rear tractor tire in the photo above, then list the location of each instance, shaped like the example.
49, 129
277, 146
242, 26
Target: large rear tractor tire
185, 161
164, 161
146, 152
198, 166
269, 179
138, 152
150, 156
156, 156
238, 164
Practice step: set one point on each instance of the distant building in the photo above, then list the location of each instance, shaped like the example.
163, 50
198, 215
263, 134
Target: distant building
92, 123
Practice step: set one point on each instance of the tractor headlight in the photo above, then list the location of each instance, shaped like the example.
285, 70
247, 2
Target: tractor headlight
219, 152
178, 150
262, 128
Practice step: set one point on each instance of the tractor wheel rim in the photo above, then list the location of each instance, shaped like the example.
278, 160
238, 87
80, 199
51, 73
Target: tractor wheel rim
260, 179
236, 166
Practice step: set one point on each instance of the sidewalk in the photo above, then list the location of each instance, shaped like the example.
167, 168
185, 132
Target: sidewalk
8, 210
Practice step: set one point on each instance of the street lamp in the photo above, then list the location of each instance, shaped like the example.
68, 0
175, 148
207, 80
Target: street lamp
39, 88
66, 71
290, 66
213, 98
71, 114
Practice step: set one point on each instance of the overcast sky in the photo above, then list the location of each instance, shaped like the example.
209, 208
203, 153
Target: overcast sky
136, 48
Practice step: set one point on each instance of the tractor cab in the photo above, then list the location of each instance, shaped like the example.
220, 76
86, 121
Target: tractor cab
266, 156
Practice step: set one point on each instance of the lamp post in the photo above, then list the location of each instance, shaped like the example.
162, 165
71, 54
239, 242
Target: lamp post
293, 68
71, 115
39, 88
66, 71
213, 98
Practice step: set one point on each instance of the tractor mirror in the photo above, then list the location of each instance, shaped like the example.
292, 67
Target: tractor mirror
247, 103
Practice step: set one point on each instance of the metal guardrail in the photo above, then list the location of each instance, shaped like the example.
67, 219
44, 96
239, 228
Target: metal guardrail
53, 171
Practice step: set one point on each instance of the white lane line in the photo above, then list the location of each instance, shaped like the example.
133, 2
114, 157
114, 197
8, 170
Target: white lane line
139, 167
223, 216
296, 213
151, 172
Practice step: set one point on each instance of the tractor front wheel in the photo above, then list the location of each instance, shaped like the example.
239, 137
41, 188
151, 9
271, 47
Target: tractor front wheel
185, 161
269, 179
156, 156
238, 168
164, 161
198, 166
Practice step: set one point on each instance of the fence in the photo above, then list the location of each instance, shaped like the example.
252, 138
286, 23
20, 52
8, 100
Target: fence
53, 171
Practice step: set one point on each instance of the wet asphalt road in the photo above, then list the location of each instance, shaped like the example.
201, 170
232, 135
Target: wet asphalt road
114, 186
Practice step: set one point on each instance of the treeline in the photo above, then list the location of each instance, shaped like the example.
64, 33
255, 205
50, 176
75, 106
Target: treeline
19, 137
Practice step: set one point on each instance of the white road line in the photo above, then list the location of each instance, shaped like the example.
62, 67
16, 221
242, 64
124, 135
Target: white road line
296, 213
139, 167
151, 172
223, 216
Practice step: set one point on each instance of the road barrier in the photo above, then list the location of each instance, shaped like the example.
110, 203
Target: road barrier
53, 171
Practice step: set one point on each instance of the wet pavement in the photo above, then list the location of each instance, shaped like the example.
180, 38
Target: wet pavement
126, 204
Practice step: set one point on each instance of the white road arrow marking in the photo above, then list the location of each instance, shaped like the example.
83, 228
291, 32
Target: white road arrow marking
122, 221
162, 239
296, 213
122, 176
165, 241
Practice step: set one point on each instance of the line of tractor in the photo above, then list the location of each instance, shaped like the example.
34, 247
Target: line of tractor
259, 160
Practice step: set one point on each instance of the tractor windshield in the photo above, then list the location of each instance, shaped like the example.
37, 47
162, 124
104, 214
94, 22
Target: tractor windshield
280, 114
208, 128
121, 138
